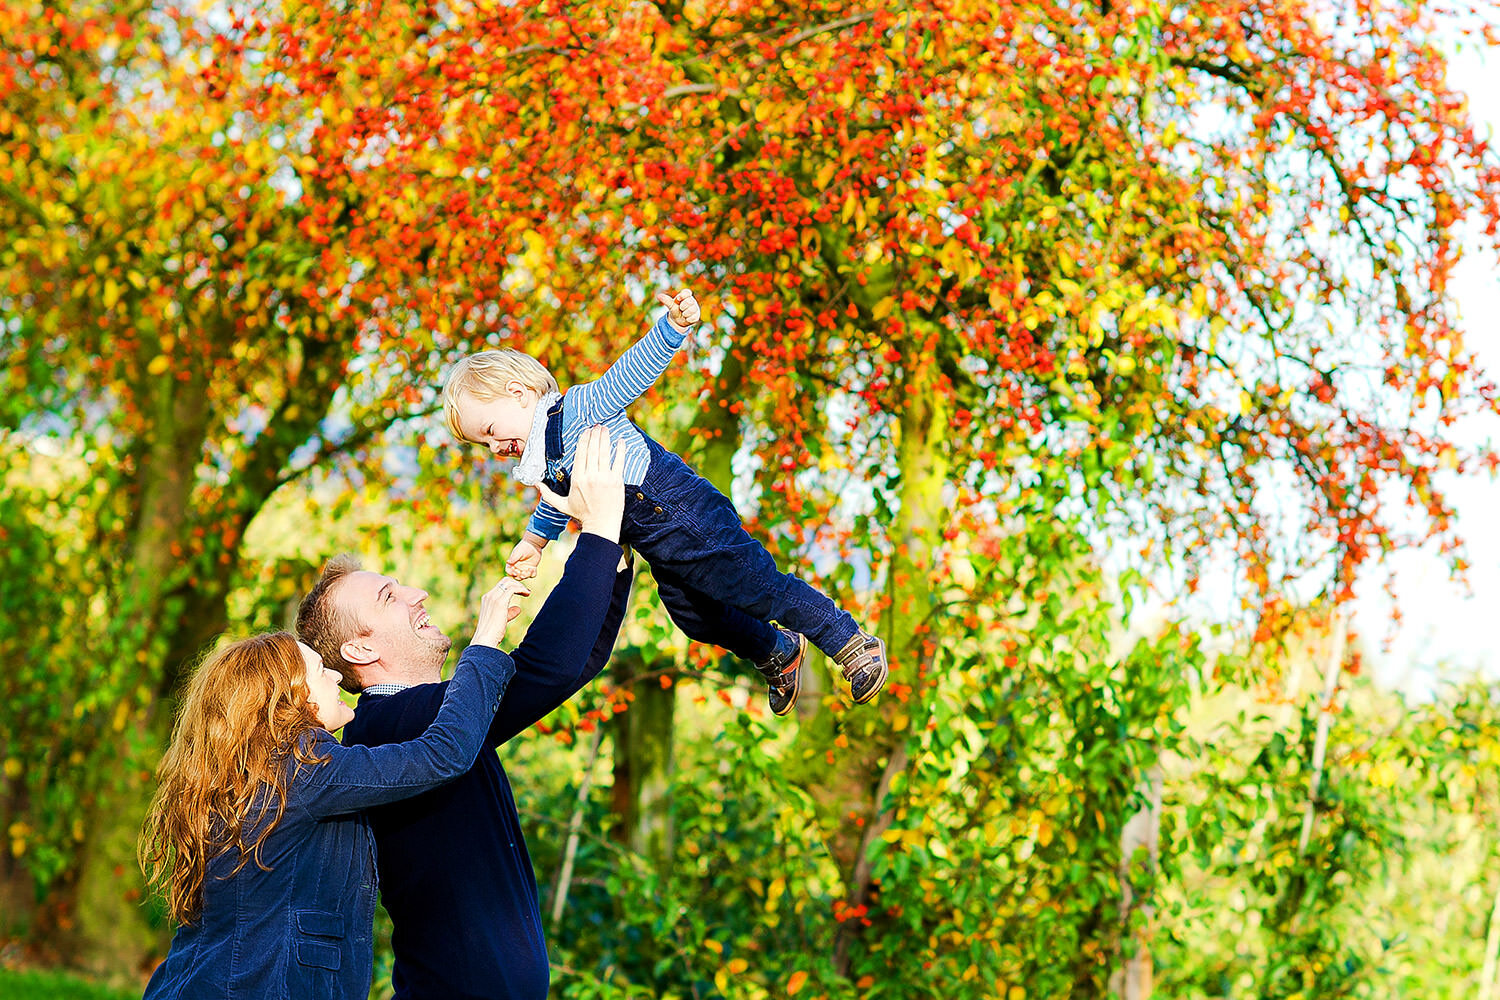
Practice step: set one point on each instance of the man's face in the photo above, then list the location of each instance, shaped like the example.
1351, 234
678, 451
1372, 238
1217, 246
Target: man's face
398, 634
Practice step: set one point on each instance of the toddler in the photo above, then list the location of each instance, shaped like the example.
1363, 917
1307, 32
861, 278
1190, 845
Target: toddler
719, 585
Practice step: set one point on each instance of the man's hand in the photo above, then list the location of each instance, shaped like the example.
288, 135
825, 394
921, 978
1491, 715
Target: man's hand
597, 498
682, 309
524, 559
497, 609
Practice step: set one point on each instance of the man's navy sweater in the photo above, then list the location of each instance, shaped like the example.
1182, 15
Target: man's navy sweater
454, 872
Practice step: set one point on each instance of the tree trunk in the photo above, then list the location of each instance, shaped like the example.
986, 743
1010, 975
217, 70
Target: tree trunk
856, 785
109, 932
643, 764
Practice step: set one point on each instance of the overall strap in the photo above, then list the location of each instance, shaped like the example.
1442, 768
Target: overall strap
554, 432
556, 476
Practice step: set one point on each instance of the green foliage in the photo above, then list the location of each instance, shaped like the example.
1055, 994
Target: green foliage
33, 984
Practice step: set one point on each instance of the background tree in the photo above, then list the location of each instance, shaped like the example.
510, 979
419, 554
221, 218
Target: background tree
994, 283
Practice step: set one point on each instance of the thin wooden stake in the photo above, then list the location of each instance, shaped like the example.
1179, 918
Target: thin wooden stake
1325, 722
575, 822
1491, 953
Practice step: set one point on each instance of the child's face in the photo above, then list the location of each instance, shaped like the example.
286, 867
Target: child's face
501, 424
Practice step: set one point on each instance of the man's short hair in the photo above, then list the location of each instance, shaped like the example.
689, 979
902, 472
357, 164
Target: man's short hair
324, 626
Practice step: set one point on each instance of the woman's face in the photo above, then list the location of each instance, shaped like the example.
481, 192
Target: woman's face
323, 692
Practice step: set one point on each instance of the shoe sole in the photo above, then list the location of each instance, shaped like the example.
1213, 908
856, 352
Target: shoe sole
885, 673
796, 677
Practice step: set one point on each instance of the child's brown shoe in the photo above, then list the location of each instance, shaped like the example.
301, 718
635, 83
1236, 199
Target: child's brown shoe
783, 670
862, 662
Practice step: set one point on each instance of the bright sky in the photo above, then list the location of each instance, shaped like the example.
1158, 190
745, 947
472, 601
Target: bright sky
1449, 630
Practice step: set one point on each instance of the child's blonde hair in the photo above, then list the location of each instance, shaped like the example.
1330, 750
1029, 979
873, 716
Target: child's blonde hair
484, 375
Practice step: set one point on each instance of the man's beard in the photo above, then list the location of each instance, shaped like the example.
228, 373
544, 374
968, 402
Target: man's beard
426, 653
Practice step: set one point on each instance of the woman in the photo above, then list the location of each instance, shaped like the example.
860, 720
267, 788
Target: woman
255, 835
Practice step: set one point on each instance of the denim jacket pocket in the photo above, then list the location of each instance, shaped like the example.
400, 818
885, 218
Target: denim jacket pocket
318, 955
319, 933
321, 923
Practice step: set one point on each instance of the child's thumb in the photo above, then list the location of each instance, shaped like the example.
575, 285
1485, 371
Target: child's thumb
665, 299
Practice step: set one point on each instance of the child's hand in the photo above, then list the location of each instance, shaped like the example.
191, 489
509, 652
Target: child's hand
524, 560
682, 309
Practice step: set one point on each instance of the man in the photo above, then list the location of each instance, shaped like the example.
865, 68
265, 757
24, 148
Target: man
454, 872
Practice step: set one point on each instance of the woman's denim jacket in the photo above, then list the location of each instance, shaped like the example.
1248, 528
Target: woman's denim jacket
303, 929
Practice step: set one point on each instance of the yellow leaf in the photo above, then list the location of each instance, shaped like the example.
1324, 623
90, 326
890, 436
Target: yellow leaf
762, 111
848, 94
159, 365
825, 175
111, 293
1016, 993
794, 982
738, 965
12, 767
883, 308
713, 946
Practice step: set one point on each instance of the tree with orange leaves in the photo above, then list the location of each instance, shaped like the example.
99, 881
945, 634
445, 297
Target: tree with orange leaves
1039, 272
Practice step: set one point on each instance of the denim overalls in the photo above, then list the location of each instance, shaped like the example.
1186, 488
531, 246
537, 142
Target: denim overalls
719, 584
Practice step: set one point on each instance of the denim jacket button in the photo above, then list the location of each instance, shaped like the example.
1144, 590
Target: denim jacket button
642, 496
658, 510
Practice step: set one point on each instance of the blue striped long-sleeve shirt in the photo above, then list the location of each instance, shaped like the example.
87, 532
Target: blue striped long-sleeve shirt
603, 401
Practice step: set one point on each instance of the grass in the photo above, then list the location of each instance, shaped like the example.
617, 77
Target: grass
31, 984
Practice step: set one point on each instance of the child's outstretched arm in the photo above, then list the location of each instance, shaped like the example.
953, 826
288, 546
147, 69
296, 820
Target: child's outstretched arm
638, 368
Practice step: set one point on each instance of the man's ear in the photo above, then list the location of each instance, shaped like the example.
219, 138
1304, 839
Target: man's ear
357, 653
